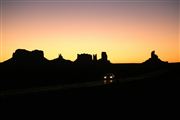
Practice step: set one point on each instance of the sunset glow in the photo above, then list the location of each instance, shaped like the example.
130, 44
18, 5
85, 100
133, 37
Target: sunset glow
127, 31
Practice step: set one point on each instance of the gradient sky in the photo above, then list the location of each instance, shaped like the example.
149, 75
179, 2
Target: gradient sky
128, 30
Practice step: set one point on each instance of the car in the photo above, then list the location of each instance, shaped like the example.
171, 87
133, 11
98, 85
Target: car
109, 78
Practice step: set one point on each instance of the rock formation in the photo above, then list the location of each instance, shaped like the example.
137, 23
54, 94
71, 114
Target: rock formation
154, 59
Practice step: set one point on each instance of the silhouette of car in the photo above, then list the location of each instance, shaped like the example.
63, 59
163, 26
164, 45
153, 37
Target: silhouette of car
109, 78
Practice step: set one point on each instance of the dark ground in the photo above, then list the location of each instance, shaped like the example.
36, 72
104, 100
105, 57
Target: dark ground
147, 83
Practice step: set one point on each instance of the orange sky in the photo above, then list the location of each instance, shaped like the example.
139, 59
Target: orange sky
126, 31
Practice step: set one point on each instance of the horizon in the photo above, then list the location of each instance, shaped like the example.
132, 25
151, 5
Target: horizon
86, 54
127, 30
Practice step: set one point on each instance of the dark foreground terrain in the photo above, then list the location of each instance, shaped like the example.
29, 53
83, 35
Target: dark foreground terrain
154, 83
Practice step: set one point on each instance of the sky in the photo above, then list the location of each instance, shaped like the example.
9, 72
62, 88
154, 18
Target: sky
128, 30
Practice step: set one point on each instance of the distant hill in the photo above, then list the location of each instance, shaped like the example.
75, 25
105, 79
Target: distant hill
154, 60
22, 56
36, 57
61, 61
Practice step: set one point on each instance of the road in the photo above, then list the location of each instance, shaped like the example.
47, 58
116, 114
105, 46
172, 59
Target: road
76, 85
